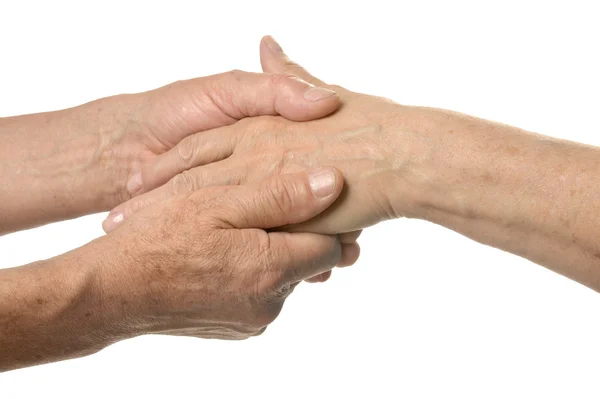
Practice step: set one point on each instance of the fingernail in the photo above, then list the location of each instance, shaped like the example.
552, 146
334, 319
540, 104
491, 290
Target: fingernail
112, 221
318, 93
322, 182
134, 183
273, 45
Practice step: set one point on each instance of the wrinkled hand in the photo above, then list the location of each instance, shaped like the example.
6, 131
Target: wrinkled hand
136, 129
360, 139
200, 264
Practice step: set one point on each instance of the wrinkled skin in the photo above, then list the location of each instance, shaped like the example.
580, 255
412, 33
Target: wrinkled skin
200, 264
87, 159
204, 264
156, 121
361, 139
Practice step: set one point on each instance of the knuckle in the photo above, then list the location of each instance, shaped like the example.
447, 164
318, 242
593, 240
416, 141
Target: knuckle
281, 78
186, 150
174, 85
235, 74
281, 194
182, 182
284, 158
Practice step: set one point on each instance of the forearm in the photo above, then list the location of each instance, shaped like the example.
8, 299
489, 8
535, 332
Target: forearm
58, 165
531, 195
58, 309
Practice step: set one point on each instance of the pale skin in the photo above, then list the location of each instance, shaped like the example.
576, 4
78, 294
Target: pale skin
199, 264
525, 193
64, 164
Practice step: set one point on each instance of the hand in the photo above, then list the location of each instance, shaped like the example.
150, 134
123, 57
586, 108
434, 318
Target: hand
200, 264
136, 129
362, 139
183, 108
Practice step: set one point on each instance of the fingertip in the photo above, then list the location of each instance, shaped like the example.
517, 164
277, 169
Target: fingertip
271, 44
268, 52
350, 254
112, 221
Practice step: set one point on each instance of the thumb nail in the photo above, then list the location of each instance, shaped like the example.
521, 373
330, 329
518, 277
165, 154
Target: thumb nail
322, 182
318, 93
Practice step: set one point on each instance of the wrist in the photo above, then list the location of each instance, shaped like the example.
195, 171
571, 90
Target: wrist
57, 309
462, 167
409, 147
94, 297
64, 164
116, 289
440, 156
130, 284
112, 130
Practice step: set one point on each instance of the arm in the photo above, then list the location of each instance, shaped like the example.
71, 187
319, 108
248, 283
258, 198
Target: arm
214, 273
53, 166
61, 308
528, 194
65, 164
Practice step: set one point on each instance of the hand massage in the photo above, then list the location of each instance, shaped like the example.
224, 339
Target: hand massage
225, 192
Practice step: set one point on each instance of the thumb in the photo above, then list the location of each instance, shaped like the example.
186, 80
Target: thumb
274, 60
282, 200
195, 105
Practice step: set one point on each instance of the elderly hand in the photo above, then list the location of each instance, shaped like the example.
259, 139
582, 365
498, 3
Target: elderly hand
201, 264
362, 139
63, 164
205, 264
154, 122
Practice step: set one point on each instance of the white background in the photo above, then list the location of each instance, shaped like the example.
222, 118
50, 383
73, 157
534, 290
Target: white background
425, 312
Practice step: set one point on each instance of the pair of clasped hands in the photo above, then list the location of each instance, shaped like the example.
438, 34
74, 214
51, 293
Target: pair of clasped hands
238, 187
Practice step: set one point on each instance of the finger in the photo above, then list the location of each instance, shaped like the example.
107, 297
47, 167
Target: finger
350, 254
195, 105
221, 173
195, 150
117, 216
274, 60
350, 237
301, 256
201, 104
281, 200
320, 278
